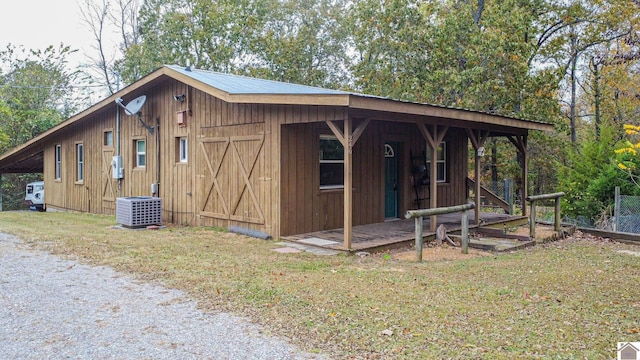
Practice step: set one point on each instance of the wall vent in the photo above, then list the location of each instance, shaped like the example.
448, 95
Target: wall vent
137, 211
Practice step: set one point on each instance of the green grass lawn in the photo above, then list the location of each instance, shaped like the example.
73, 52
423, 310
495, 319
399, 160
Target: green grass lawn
571, 299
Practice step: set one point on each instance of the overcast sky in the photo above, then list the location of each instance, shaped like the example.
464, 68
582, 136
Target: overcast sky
36, 24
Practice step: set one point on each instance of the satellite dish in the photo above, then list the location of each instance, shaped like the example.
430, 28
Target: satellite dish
135, 105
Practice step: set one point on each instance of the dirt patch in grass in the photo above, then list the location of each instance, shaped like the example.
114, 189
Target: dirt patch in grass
543, 232
439, 253
567, 299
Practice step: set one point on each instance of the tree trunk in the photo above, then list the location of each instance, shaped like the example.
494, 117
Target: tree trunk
494, 161
597, 97
572, 106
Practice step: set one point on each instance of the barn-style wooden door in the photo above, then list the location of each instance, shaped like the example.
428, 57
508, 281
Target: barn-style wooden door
108, 190
229, 185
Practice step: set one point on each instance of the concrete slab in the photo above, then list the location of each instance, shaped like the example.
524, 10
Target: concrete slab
317, 241
493, 244
311, 249
287, 250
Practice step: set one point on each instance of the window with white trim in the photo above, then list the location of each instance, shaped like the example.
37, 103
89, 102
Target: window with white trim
182, 150
79, 162
441, 161
58, 162
331, 163
141, 153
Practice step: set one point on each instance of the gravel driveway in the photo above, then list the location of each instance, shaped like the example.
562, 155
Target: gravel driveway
57, 309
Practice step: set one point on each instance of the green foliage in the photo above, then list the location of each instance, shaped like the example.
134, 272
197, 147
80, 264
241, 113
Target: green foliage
299, 41
35, 94
392, 50
590, 177
302, 41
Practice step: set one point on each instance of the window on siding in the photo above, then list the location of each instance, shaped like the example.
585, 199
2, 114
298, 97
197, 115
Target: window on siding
79, 162
58, 162
182, 149
141, 153
441, 162
331, 163
108, 138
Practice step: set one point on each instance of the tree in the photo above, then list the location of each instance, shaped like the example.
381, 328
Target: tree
591, 176
391, 48
207, 34
302, 41
99, 17
628, 154
36, 93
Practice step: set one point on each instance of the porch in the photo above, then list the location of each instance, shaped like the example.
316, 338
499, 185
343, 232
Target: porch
398, 232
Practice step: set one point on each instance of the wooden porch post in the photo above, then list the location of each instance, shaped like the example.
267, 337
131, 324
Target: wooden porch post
520, 142
348, 185
348, 140
434, 138
477, 140
525, 172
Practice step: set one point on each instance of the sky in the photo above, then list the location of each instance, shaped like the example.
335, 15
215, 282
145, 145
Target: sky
36, 24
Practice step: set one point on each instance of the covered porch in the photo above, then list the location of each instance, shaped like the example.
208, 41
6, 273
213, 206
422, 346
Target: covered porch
398, 233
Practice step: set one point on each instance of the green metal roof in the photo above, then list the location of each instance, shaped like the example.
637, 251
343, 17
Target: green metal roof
240, 85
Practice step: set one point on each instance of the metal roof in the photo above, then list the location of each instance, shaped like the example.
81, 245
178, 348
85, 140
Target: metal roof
241, 85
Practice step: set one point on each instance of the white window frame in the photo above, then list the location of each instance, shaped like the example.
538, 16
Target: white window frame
141, 154
441, 160
79, 162
333, 161
58, 157
183, 150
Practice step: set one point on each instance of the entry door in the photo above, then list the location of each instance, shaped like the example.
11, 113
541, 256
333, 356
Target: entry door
391, 180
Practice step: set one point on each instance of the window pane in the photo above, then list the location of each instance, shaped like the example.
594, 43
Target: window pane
441, 152
141, 146
331, 174
183, 149
80, 155
441, 172
331, 149
441, 163
142, 160
58, 161
108, 138
441, 148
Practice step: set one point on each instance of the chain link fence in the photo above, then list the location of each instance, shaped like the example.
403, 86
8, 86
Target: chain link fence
627, 214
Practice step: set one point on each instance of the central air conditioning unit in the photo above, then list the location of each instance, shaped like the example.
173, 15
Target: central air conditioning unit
139, 211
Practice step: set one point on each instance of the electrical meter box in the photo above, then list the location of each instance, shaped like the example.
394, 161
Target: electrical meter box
116, 167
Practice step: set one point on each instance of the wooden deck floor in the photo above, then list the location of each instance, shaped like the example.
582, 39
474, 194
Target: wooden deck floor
391, 234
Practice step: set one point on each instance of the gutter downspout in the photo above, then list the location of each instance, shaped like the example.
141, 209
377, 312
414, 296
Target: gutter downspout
118, 133
158, 157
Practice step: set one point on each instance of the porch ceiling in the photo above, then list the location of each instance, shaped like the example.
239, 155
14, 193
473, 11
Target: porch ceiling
23, 162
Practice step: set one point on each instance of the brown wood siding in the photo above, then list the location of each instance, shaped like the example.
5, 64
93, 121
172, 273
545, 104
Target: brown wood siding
453, 191
68, 192
235, 164
250, 165
306, 208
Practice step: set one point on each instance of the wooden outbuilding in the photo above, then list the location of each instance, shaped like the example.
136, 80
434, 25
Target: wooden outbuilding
278, 158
